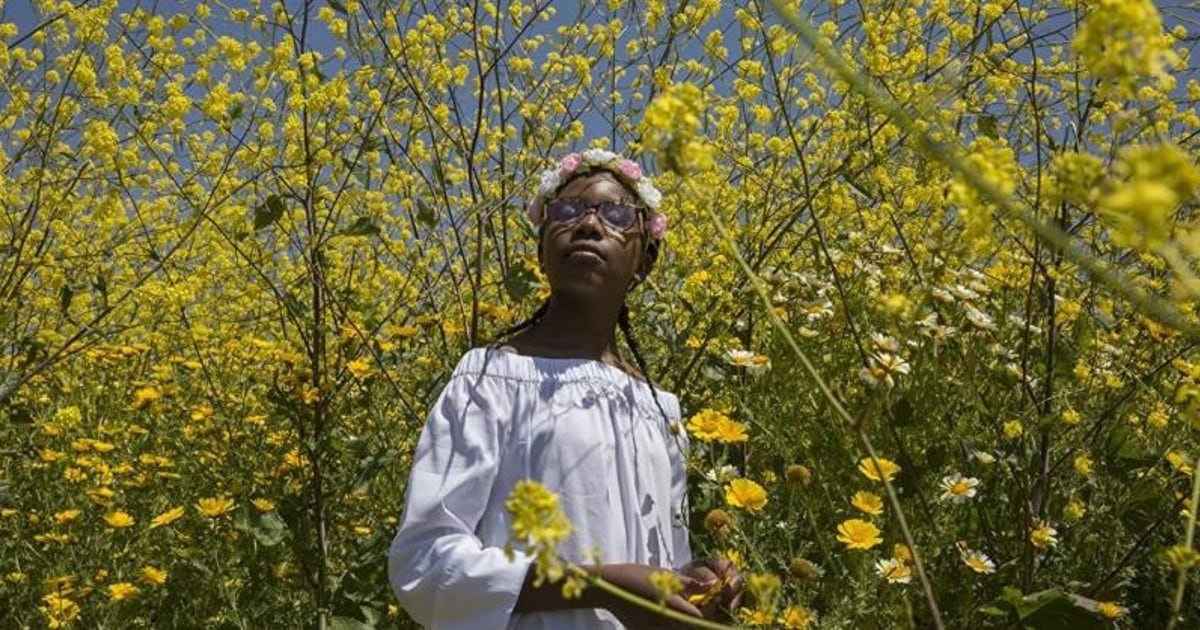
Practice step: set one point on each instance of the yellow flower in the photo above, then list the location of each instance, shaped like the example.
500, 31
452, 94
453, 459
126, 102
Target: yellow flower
858, 534
745, 494
710, 425
66, 517
901, 552
886, 469
1013, 429
756, 616
1074, 510
122, 591
666, 584
539, 523
166, 518
1083, 465
215, 507
359, 368
59, 610
1111, 610
867, 502
1043, 536
118, 519
795, 618
144, 396
263, 505
1071, 417
152, 575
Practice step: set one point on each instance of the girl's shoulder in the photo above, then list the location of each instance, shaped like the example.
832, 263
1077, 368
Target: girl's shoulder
502, 363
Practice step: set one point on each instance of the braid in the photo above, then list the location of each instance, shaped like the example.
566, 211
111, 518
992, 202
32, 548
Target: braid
627, 330
533, 319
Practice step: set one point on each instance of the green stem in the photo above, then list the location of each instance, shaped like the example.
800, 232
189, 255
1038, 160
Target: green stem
1181, 579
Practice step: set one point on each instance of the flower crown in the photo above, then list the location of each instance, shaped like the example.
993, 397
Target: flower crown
598, 159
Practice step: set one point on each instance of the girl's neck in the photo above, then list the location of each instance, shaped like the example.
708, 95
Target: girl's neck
574, 329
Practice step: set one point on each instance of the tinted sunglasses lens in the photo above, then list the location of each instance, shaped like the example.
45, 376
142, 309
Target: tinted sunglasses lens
618, 215
562, 211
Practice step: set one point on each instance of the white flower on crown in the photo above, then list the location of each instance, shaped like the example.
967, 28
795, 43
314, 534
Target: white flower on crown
649, 194
599, 156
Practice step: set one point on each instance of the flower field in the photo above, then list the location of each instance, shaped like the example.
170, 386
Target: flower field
928, 295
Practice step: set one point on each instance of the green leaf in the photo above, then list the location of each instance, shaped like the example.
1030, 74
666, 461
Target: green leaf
65, 295
362, 226
902, 412
425, 214
987, 126
268, 212
1051, 609
338, 6
270, 530
347, 623
370, 466
519, 282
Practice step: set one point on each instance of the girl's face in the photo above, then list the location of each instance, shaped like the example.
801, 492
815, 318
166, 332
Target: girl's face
587, 258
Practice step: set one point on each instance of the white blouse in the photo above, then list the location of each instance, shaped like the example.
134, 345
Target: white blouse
587, 431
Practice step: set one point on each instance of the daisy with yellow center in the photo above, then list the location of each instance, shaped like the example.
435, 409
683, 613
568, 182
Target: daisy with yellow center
957, 488
978, 561
858, 534
893, 570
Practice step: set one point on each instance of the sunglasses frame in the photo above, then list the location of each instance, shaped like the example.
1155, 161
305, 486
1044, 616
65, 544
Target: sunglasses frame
588, 207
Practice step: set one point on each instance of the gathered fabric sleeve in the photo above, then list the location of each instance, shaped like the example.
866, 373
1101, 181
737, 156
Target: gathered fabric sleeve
677, 447
440, 571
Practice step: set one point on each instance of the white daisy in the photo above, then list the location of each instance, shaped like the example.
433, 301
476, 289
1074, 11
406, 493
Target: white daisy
957, 488
978, 561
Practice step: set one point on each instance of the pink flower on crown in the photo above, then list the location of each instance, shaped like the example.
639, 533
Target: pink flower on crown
568, 164
630, 170
658, 225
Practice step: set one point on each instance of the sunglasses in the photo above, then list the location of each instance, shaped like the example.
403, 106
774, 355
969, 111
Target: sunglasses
616, 215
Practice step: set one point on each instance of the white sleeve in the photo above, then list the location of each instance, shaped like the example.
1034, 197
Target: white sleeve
677, 447
440, 571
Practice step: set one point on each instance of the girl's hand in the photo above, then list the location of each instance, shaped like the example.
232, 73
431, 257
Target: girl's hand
635, 578
724, 587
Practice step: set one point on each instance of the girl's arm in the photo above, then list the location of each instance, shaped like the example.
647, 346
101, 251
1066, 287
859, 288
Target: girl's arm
439, 569
633, 578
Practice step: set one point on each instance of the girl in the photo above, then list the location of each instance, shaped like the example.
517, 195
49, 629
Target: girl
553, 401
